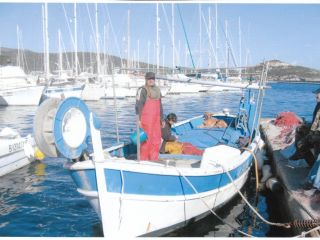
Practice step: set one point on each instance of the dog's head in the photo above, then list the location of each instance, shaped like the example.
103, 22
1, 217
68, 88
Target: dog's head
207, 115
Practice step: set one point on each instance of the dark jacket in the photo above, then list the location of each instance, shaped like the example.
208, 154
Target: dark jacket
166, 136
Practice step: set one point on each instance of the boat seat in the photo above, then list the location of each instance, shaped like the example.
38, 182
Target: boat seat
221, 155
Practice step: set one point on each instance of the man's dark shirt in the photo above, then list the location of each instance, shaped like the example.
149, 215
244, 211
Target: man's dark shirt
166, 136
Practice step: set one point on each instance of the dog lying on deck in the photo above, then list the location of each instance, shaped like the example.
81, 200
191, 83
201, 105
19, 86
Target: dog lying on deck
211, 122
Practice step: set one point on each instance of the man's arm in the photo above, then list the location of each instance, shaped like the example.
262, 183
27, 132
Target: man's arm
141, 98
316, 123
166, 134
161, 111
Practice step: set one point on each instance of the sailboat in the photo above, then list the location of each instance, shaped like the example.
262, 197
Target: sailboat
151, 198
16, 88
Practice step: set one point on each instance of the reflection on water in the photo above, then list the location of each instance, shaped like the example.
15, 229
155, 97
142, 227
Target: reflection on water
41, 199
21, 181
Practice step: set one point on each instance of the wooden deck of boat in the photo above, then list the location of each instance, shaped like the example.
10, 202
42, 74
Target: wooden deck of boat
295, 202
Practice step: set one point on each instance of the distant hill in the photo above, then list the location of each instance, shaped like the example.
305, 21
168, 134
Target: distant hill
281, 71
33, 61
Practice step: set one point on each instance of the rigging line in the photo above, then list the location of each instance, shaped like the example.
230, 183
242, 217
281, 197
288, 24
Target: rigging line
230, 46
71, 35
210, 42
24, 58
113, 32
66, 18
91, 25
65, 55
185, 34
168, 26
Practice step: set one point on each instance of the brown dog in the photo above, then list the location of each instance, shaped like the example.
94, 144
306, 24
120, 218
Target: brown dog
211, 122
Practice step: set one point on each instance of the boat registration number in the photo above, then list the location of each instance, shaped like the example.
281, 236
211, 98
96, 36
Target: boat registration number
16, 146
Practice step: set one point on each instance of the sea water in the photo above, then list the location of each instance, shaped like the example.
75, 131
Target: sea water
41, 198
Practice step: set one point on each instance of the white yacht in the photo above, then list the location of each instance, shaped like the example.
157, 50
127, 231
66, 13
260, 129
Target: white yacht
17, 89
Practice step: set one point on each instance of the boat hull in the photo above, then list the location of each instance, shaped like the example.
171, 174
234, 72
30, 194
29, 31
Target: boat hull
156, 217
92, 92
146, 198
26, 96
15, 154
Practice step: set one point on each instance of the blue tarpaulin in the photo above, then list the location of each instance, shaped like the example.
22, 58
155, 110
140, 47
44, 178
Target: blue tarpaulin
203, 138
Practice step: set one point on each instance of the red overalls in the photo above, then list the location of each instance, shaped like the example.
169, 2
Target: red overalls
150, 121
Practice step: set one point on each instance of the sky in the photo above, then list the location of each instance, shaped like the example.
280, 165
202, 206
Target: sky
288, 32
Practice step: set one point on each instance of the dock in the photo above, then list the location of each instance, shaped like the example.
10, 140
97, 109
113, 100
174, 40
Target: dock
297, 204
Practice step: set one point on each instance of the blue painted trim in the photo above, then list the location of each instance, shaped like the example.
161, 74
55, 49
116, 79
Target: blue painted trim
63, 148
154, 184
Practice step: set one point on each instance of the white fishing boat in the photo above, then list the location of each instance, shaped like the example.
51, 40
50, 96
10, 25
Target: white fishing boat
17, 89
15, 151
151, 198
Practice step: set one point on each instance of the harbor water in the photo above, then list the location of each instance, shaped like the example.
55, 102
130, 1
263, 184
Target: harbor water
41, 199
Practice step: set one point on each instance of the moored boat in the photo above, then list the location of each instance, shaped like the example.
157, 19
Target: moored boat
151, 198
15, 151
17, 89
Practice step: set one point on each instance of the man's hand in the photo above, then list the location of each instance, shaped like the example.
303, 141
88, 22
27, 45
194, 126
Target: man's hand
163, 123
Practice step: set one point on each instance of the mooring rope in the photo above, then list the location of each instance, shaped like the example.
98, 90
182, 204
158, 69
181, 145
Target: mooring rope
209, 208
303, 234
285, 225
256, 166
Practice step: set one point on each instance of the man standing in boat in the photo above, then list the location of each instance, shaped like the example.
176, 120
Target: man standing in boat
150, 112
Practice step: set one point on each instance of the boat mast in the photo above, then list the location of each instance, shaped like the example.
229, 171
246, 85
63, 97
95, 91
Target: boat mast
91, 47
83, 47
75, 41
173, 48
163, 54
200, 37
60, 53
227, 48
158, 40
18, 57
46, 42
148, 54
138, 57
104, 49
210, 57
97, 43
240, 50
216, 35
128, 39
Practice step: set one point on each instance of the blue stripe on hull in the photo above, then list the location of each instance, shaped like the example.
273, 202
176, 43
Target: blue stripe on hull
154, 184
